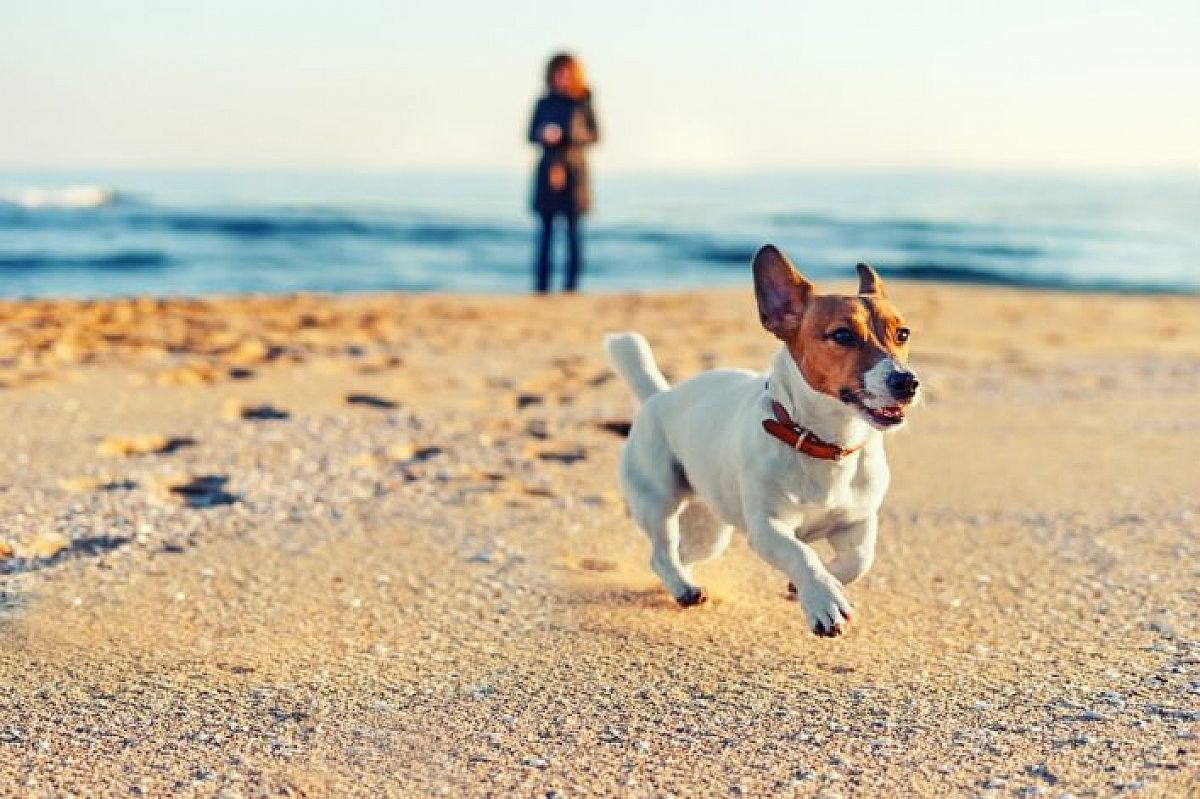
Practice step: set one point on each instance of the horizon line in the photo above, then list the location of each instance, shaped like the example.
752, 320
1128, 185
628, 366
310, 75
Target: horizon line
1181, 172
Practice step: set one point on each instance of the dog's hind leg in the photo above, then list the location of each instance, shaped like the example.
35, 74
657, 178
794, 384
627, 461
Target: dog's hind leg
656, 493
662, 525
702, 536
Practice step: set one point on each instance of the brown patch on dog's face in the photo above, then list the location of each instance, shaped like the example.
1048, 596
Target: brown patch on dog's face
841, 338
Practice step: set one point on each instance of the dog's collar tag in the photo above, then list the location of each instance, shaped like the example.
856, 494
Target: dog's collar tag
802, 439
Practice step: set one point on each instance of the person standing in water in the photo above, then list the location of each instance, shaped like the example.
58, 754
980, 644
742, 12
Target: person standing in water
563, 124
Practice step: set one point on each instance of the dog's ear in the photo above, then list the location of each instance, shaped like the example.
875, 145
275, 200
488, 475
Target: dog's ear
782, 292
869, 281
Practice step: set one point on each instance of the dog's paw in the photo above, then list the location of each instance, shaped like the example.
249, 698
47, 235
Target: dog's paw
826, 607
691, 597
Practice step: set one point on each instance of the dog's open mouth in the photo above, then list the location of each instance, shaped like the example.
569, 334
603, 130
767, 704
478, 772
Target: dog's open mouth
882, 417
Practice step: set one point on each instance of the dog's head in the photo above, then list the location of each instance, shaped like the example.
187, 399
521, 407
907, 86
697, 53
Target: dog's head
851, 348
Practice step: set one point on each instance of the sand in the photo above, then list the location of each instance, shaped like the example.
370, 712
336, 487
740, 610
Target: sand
373, 546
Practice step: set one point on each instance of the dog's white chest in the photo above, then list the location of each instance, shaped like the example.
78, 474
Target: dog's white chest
818, 496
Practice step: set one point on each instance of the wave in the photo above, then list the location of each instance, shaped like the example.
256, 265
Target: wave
292, 225
35, 198
983, 276
723, 254
132, 260
255, 225
897, 223
993, 250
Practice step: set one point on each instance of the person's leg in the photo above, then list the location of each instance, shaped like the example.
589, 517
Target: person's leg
541, 273
575, 252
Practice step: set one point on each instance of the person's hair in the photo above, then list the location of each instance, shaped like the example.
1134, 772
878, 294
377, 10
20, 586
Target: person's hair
577, 85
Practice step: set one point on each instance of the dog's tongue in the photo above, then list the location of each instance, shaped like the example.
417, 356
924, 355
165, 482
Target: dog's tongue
893, 411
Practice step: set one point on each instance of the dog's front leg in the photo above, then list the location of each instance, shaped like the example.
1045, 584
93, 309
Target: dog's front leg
853, 549
819, 593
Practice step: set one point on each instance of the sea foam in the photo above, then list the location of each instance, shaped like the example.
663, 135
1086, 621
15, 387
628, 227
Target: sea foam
73, 197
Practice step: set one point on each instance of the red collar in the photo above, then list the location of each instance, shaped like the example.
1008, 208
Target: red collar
802, 439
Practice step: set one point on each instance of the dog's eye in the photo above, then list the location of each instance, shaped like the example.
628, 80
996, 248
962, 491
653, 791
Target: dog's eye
844, 336
902, 335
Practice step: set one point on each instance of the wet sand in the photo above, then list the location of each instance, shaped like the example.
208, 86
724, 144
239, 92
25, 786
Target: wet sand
373, 546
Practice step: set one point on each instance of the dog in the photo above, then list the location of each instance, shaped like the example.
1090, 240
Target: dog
790, 457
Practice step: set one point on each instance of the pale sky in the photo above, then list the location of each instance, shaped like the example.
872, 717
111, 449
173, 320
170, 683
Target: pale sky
690, 85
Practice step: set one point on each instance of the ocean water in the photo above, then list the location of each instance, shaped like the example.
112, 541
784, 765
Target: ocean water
124, 233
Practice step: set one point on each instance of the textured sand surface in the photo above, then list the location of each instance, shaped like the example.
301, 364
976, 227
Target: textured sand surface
219, 576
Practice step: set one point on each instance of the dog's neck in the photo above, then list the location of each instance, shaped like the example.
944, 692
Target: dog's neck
829, 419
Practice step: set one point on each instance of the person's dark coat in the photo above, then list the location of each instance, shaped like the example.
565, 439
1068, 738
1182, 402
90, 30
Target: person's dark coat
561, 181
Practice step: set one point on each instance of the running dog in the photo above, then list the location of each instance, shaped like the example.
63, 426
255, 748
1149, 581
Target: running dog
790, 457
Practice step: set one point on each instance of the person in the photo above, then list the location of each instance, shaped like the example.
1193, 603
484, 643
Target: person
563, 124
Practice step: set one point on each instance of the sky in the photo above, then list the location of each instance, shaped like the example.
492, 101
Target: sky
713, 87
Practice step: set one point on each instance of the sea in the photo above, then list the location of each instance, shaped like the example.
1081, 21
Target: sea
82, 233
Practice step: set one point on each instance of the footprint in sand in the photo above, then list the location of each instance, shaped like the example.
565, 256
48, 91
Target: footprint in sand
596, 565
237, 411
371, 401
197, 491
83, 485
125, 446
563, 456
45, 548
527, 398
618, 427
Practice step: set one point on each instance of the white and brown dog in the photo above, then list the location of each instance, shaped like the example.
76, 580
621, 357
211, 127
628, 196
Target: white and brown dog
791, 457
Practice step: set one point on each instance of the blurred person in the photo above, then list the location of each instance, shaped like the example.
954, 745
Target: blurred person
563, 124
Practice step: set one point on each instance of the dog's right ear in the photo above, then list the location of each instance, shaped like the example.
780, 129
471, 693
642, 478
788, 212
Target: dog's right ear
782, 292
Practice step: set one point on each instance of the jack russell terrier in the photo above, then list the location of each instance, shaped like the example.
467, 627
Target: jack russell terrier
790, 457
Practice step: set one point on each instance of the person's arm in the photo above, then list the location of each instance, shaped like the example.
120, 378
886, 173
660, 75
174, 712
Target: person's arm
541, 130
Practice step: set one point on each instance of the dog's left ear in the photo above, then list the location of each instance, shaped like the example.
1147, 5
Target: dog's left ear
869, 281
781, 291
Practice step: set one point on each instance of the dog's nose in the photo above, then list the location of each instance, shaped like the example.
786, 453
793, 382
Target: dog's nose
903, 385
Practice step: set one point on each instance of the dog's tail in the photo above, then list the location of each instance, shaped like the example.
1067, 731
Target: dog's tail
630, 355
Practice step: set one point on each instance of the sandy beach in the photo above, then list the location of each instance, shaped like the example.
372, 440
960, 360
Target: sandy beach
373, 546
